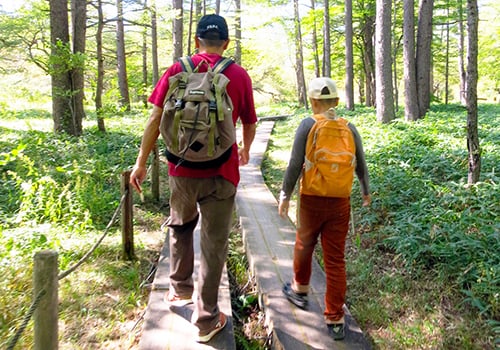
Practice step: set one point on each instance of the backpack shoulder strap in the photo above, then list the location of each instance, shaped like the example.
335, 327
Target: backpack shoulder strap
187, 64
222, 64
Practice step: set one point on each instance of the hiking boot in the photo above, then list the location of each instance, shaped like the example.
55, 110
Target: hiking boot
206, 336
297, 299
176, 300
336, 331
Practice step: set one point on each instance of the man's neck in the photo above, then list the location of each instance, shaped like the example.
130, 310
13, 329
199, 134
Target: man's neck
211, 50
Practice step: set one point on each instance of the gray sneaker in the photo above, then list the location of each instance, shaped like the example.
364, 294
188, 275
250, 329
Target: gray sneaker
336, 331
297, 299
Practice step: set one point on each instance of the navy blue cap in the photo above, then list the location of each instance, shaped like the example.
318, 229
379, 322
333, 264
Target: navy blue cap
212, 27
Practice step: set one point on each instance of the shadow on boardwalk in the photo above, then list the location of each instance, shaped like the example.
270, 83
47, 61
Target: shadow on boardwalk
269, 242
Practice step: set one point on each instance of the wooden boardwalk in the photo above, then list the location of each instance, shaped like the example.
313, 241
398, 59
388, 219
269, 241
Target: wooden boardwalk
269, 242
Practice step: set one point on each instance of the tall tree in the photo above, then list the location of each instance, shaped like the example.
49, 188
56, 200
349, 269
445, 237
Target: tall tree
315, 41
461, 50
410, 77
100, 67
177, 29
349, 57
121, 58
327, 65
154, 44
79, 26
471, 88
299, 58
60, 70
447, 63
145, 58
367, 26
190, 26
423, 56
383, 64
237, 34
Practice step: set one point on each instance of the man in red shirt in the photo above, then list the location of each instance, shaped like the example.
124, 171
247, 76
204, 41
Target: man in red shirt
212, 190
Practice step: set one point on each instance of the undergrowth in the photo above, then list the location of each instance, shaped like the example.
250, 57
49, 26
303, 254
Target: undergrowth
428, 235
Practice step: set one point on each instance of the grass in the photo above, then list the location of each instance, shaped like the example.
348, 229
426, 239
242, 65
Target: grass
59, 193
424, 275
426, 271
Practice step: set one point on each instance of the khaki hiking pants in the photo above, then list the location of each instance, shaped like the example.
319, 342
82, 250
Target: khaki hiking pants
213, 199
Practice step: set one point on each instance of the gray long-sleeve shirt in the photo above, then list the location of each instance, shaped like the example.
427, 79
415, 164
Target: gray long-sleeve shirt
297, 156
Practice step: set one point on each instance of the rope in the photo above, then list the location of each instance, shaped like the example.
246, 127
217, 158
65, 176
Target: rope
85, 257
13, 341
27, 317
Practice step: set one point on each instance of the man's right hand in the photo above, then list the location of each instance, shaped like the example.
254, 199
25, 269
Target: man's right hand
137, 177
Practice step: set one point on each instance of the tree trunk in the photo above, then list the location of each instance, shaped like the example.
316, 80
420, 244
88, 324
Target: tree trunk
461, 50
177, 29
447, 63
154, 44
327, 65
423, 56
368, 59
395, 47
299, 60
410, 77
349, 57
120, 58
237, 34
100, 68
315, 41
79, 21
383, 64
472, 77
145, 60
190, 37
60, 76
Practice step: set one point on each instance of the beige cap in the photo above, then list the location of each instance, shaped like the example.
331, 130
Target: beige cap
322, 89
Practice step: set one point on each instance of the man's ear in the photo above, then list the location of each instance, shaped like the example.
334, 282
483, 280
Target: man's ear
226, 44
196, 42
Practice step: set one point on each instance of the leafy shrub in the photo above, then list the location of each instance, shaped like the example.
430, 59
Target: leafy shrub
422, 209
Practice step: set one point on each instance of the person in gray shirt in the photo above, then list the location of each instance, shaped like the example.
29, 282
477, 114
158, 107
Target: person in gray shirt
323, 217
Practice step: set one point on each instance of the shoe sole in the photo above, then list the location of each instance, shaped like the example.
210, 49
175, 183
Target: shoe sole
218, 327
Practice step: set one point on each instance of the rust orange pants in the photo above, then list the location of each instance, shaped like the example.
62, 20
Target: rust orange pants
328, 219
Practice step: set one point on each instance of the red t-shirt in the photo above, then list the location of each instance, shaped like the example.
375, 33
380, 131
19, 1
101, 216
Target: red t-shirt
240, 91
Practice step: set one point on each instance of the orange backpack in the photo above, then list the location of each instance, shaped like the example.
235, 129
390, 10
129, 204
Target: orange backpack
330, 159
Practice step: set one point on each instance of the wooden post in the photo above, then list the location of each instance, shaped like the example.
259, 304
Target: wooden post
45, 281
127, 217
155, 174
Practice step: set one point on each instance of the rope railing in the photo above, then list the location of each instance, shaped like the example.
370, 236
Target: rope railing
89, 253
13, 340
128, 253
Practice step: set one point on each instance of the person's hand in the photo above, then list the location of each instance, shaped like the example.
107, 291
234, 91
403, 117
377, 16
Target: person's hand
137, 177
283, 206
244, 156
367, 200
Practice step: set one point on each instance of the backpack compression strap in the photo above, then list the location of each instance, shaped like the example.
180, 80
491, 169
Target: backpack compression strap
218, 68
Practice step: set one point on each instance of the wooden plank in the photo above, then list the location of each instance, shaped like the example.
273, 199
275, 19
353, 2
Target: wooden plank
170, 327
269, 242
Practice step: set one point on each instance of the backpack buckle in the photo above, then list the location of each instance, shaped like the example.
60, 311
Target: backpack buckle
212, 106
178, 104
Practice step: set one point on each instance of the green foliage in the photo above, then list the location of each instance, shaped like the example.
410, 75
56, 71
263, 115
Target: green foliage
58, 192
63, 59
423, 213
63, 180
